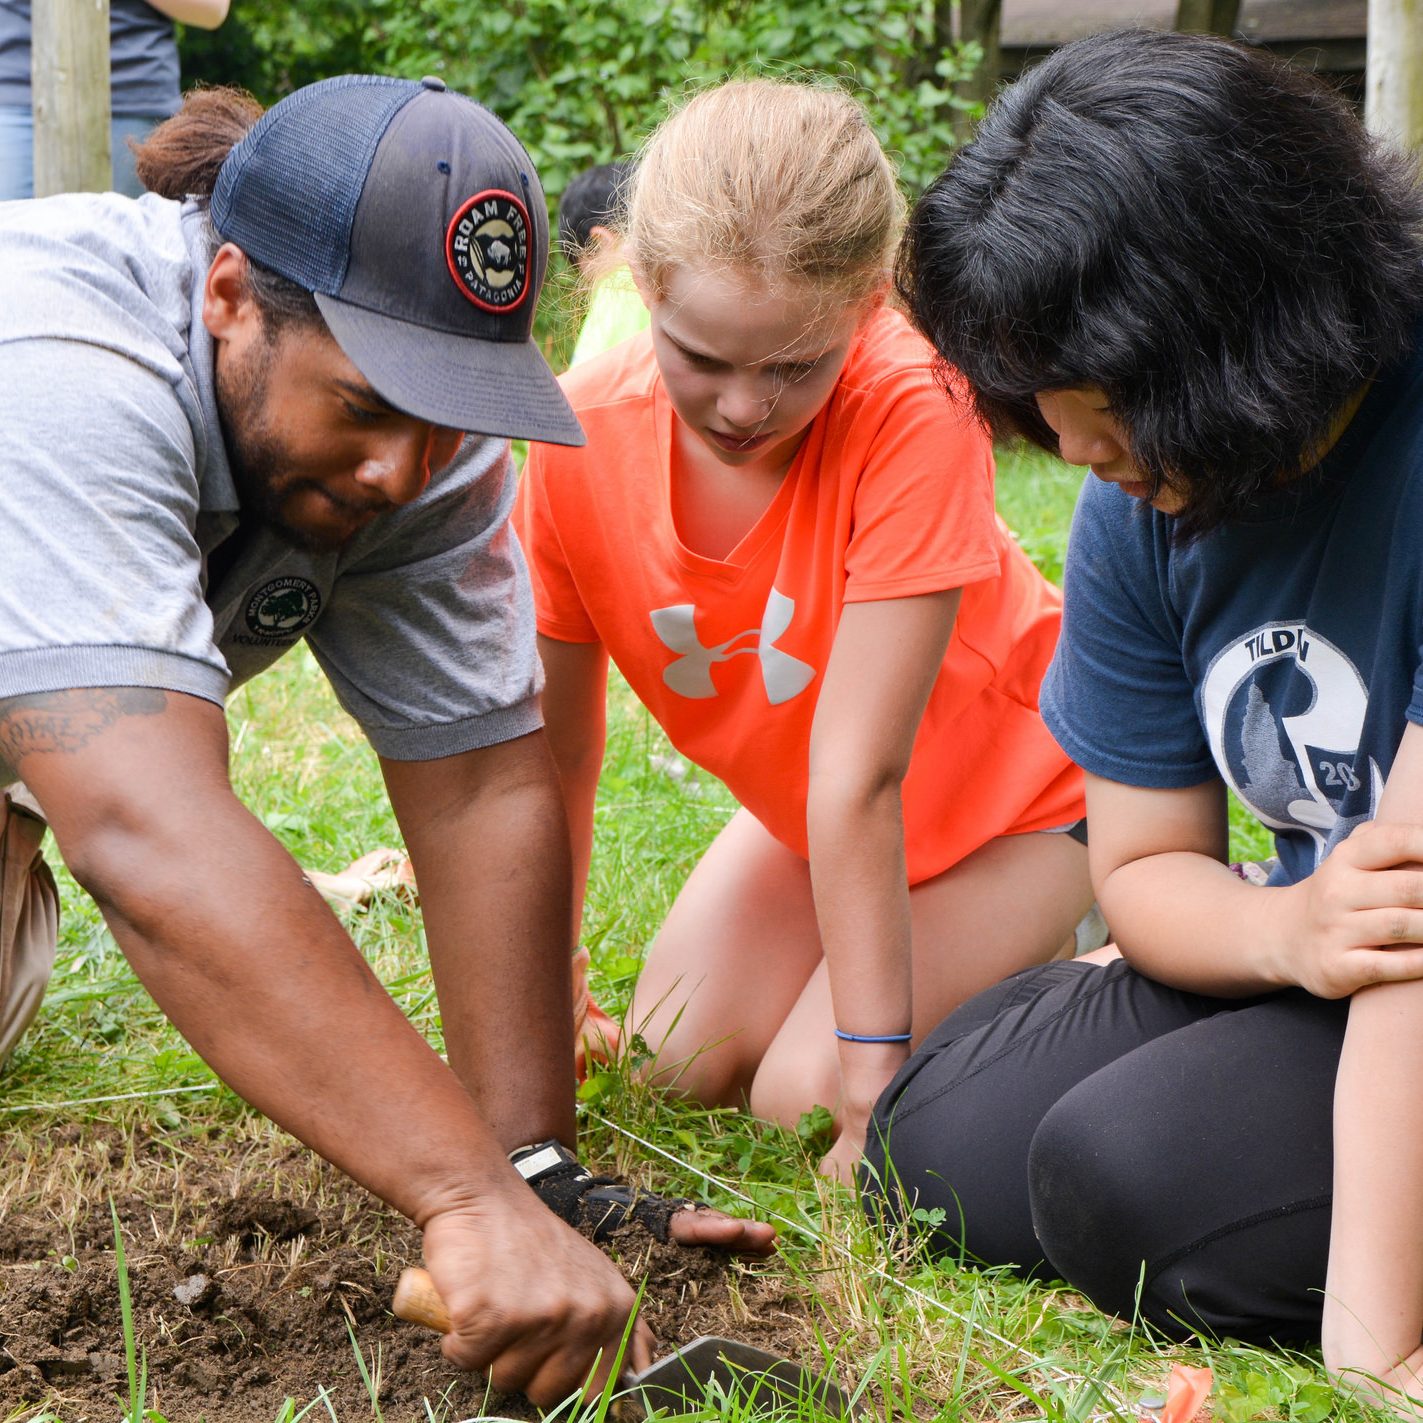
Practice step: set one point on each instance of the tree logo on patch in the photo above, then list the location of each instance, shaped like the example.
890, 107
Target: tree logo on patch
283, 608
487, 250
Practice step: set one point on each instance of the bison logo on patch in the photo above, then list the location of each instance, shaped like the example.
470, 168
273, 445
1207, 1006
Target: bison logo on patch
279, 611
487, 250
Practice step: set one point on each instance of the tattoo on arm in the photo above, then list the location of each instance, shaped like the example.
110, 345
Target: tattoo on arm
64, 722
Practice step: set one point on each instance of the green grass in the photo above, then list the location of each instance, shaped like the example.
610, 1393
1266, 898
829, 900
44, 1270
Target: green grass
135, 1357
1036, 495
937, 1342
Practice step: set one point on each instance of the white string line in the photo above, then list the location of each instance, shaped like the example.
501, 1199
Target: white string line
810, 1233
116, 1097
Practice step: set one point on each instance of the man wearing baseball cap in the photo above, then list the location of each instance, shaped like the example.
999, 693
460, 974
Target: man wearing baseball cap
254, 416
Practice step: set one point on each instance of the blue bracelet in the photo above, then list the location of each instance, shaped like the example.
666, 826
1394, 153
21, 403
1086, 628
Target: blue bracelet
872, 1037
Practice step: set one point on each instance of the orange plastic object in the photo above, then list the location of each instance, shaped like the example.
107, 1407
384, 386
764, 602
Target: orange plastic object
595, 1035
1185, 1393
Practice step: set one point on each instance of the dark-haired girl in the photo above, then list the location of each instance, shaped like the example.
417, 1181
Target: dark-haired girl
1187, 268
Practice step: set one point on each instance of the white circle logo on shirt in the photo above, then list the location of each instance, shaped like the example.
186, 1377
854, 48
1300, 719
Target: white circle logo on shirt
1284, 710
283, 608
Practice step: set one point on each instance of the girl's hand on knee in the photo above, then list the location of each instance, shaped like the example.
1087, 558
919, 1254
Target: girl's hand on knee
1358, 919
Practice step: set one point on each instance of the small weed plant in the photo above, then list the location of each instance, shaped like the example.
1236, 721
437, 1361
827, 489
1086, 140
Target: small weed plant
135, 1357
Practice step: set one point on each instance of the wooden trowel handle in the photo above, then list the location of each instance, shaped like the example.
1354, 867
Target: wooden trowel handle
418, 1301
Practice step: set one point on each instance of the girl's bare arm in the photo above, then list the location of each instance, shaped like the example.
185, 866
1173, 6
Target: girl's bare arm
1373, 1308
882, 668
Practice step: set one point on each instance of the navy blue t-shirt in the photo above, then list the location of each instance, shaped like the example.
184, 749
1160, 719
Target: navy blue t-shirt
1281, 652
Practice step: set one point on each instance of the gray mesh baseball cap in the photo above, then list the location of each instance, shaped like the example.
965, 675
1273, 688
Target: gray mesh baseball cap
416, 219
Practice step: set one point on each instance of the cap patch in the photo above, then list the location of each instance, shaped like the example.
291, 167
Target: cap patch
487, 250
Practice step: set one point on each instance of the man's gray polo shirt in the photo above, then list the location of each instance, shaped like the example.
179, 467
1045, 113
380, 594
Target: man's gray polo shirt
115, 489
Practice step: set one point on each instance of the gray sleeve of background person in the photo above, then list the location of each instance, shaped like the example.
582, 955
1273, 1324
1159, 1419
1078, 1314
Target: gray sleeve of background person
99, 571
429, 636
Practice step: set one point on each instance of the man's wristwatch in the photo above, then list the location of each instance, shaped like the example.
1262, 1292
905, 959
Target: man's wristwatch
542, 1158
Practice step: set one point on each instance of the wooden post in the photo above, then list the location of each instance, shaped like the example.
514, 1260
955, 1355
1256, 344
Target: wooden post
957, 22
1207, 17
1393, 82
981, 21
69, 82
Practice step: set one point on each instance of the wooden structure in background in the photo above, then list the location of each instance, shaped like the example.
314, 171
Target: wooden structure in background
69, 78
1327, 35
1207, 17
980, 21
1393, 93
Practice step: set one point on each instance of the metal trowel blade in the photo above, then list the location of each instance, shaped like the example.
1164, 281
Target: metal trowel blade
732, 1370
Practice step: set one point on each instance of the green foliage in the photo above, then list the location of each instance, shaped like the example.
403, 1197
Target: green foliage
1273, 1390
816, 1130
583, 81
272, 47
1036, 496
370, 1375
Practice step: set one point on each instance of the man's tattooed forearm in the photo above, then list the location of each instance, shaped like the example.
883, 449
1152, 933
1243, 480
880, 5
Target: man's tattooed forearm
66, 721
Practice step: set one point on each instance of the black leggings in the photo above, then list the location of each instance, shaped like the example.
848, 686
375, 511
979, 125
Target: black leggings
1160, 1151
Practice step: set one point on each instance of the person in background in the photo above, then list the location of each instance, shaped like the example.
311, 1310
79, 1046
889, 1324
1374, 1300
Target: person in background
783, 533
588, 219
1186, 266
143, 82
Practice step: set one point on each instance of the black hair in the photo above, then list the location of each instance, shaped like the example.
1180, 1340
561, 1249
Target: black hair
181, 158
592, 199
1203, 232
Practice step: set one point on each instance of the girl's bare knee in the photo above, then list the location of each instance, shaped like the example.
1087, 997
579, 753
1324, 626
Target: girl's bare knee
710, 1075
783, 1091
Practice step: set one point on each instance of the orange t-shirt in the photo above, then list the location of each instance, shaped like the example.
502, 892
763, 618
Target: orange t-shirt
889, 495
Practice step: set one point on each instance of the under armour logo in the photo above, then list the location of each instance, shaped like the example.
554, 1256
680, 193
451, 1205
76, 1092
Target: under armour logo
689, 675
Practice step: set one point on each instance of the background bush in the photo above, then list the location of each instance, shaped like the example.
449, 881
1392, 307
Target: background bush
582, 81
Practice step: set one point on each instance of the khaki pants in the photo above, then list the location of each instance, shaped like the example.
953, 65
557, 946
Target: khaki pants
29, 915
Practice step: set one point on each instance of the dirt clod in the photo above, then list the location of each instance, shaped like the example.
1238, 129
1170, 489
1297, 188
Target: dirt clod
193, 1291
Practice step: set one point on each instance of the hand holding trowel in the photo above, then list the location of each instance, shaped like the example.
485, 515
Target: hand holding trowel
721, 1368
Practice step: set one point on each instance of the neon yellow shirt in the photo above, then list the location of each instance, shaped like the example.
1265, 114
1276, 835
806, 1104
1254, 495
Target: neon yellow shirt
615, 312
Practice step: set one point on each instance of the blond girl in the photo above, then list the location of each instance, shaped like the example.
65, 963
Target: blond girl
782, 531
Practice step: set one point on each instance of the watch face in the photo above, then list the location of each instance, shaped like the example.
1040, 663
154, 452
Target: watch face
531, 1162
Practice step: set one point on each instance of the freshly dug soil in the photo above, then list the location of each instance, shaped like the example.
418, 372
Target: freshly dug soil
247, 1261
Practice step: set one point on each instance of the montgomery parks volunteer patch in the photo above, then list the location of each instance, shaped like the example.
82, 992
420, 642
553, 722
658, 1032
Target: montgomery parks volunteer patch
282, 608
487, 249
